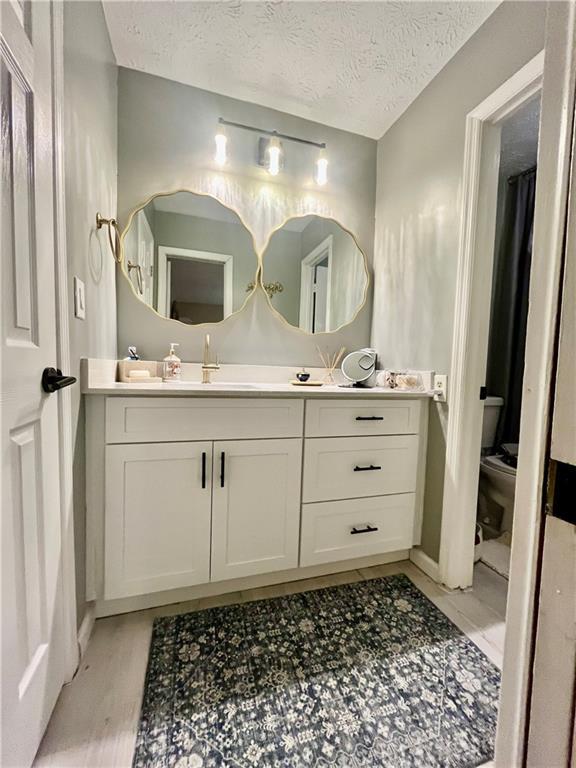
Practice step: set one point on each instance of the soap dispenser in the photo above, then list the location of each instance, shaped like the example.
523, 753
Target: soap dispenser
172, 365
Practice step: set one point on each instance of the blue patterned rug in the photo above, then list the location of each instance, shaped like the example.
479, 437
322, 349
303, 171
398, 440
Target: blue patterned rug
369, 674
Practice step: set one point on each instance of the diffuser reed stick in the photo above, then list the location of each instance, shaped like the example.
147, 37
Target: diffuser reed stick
330, 362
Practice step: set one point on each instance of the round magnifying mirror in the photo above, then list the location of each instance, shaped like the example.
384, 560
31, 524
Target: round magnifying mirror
315, 274
189, 257
359, 366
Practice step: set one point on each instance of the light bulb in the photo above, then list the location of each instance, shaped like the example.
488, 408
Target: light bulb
221, 140
274, 156
321, 169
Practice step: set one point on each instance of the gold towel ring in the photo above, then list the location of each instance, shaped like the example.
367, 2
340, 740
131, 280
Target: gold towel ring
139, 279
112, 224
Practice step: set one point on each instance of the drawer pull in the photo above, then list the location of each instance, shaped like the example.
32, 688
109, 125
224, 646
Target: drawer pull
369, 418
222, 468
203, 469
368, 529
371, 468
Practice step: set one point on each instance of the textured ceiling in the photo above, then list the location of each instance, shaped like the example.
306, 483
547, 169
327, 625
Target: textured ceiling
350, 65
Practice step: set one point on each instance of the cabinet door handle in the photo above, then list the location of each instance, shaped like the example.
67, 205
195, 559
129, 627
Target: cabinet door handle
367, 529
369, 418
222, 468
371, 468
203, 469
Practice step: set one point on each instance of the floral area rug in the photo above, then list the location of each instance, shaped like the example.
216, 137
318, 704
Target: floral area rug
365, 675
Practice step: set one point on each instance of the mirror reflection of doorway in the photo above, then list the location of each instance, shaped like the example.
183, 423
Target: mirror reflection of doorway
315, 288
320, 297
194, 286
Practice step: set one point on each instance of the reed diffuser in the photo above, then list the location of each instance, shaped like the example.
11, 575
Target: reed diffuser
330, 363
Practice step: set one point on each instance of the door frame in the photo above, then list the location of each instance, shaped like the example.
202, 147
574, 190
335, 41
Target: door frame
187, 253
555, 151
322, 251
472, 317
63, 347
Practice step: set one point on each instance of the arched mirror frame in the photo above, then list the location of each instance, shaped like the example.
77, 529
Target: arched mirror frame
124, 267
262, 256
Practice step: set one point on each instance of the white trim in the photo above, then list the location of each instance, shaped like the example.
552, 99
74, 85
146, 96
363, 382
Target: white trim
425, 563
421, 478
322, 251
66, 443
186, 253
554, 155
85, 631
471, 321
212, 588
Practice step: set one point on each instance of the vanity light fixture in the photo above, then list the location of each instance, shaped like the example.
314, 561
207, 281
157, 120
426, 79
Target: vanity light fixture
321, 168
221, 140
270, 150
273, 156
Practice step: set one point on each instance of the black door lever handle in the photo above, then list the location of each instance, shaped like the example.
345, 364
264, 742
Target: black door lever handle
53, 380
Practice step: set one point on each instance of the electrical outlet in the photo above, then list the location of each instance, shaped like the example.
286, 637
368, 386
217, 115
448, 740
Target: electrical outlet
440, 388
79, 299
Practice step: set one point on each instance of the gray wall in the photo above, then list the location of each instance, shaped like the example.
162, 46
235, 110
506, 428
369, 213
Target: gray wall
166, 142
417, 214
90, 124
282, 262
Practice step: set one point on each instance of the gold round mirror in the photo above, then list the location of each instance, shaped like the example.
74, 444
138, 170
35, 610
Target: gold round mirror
189, 257
315, 274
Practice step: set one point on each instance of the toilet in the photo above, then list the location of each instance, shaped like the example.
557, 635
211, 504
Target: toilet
497, 482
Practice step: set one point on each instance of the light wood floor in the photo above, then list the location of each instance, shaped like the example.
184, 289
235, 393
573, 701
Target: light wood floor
95, 720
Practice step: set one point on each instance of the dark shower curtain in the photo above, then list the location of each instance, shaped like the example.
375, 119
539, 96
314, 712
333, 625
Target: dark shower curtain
510, 303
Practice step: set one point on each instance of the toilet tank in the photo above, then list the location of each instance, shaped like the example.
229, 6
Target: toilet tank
492, 409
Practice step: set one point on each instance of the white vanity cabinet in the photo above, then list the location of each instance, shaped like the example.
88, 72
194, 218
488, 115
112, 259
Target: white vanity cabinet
158, 517
255, 507
185, 503
362, 480
190, 492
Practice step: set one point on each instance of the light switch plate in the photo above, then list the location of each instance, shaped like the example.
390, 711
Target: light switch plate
79, 299
440, 387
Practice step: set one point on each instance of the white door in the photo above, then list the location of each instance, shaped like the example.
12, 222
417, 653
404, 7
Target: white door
158, 499
256, 507
33, 655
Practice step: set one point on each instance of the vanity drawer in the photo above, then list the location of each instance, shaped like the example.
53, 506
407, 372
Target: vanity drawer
352, 467
159, 419
340, 418
340, 530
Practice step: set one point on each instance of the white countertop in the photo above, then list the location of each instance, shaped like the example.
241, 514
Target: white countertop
99, 378
237, 389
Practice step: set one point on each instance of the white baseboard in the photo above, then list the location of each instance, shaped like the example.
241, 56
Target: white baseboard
86, 628
425, 563
211, 589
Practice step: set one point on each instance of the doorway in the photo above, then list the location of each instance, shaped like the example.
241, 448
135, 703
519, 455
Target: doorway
474, 284
194, 286
315, 284
512, 258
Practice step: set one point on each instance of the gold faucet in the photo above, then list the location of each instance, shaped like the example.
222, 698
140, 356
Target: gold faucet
207, 366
